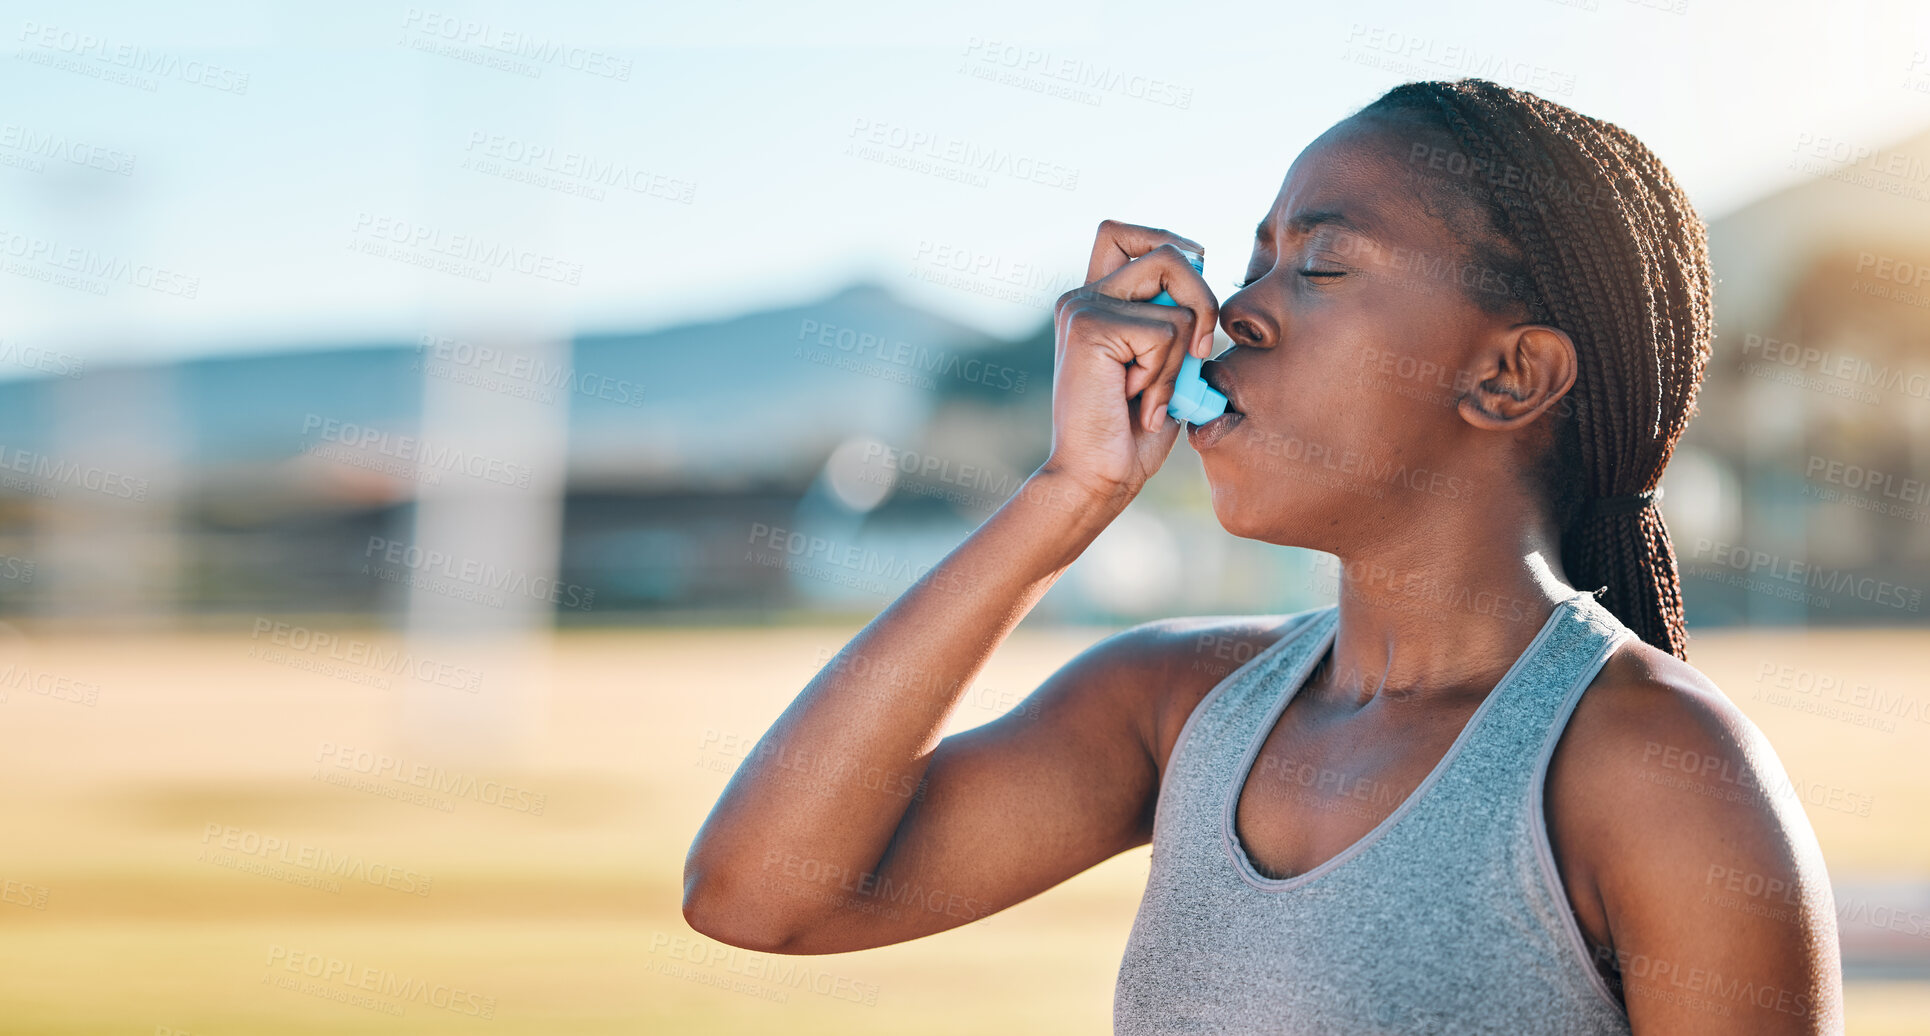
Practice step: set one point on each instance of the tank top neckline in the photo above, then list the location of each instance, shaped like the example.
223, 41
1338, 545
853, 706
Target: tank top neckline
1236, 852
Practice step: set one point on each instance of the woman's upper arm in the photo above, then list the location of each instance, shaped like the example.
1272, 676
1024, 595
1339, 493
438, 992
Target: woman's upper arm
1716, 897
1065, 780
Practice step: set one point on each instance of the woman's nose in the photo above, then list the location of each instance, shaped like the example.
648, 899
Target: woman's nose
1241, 324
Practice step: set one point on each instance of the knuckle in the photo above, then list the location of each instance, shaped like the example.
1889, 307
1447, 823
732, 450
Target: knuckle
1074, 300
1078, 319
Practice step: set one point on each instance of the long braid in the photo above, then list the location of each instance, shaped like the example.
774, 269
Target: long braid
1598, 240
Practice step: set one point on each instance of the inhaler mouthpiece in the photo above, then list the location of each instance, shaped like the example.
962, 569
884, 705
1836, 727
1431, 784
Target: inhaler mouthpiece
1193, 399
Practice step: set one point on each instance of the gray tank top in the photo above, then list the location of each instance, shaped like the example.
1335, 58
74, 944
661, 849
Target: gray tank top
1448, 917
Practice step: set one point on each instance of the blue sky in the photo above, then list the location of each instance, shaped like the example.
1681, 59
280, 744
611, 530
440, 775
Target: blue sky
185, 179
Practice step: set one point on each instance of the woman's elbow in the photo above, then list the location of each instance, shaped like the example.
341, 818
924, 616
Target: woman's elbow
713, 908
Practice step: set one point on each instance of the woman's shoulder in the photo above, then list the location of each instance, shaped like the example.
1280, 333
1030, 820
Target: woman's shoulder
1658, 776
1192, 654
1682, 839
1176, 662
1647, 714
1225, 638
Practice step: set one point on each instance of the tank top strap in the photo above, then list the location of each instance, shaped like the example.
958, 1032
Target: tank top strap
1227, 719
1513, 734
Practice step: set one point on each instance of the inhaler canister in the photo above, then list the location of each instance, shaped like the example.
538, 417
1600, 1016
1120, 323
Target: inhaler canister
1193, 399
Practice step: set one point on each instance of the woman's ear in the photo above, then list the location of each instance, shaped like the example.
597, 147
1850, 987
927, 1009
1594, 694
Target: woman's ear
1523, 371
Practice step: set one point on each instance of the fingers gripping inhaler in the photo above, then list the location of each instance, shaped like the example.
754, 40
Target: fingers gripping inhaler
1194, 401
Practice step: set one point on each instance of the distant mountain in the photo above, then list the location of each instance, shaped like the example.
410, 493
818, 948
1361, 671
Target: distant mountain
754, 399
768, 394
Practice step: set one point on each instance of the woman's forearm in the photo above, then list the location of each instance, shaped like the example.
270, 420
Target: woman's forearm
836, 773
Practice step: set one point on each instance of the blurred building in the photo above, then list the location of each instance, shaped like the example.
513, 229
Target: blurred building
817, 458
296, 481
1800, 491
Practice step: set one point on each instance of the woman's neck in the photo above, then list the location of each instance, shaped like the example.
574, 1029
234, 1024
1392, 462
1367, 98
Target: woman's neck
1445, 613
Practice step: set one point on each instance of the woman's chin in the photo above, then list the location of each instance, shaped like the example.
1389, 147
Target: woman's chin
1238, 520
1243, 514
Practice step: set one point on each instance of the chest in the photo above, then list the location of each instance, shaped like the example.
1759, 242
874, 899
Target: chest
1326, 779
1323, 780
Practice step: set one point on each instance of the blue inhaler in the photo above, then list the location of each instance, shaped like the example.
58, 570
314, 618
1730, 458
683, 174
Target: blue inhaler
1193, 401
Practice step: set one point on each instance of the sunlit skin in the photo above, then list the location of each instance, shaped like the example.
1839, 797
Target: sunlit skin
1418, 485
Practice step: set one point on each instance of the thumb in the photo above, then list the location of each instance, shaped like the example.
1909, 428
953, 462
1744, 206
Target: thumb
1159, 442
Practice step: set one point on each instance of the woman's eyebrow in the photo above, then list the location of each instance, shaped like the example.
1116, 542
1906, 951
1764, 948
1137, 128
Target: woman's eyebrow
1306, 222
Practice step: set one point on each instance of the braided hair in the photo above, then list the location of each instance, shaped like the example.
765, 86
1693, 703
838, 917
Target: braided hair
1584, 229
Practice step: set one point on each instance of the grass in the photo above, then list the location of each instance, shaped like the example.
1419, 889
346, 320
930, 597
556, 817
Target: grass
568, 921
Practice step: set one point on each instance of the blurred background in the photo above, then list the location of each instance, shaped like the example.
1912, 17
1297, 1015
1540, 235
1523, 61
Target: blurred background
435, 442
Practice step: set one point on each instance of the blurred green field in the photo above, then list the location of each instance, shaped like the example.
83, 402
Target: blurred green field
124, 915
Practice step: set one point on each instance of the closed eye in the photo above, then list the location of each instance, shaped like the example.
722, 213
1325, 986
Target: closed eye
1304, 273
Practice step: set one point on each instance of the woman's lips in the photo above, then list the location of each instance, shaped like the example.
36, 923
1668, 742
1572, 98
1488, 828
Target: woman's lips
1214, 374
1203, 436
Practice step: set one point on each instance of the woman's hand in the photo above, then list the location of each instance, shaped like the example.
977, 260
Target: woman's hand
1116, 357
